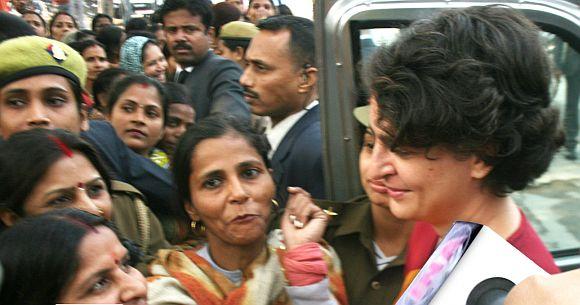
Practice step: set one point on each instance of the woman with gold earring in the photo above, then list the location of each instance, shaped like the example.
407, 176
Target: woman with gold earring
222, 173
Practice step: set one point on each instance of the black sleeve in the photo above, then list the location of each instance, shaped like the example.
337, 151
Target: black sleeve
226, 93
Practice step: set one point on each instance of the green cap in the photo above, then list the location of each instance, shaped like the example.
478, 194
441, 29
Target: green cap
28, 56
238, 30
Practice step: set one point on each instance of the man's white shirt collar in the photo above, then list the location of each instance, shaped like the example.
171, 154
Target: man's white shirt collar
179, 69
276, 133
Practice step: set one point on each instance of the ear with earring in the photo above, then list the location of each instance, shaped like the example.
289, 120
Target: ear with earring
197, 226
275, 204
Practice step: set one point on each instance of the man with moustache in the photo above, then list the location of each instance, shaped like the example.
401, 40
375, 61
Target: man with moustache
213, 81
280, 82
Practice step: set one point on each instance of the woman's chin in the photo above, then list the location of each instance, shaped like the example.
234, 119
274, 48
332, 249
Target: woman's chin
257, 234
378, 199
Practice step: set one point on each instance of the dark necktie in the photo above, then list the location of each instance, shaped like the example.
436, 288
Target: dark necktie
182, 76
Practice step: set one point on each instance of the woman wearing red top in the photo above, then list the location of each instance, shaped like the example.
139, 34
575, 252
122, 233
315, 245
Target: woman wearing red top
460, 120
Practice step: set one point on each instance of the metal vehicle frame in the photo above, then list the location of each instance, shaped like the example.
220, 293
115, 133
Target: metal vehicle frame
337, 21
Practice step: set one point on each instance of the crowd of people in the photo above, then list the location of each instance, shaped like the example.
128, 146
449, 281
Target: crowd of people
180, 162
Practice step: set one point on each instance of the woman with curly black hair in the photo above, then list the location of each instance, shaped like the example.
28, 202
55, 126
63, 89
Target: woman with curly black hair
458, 120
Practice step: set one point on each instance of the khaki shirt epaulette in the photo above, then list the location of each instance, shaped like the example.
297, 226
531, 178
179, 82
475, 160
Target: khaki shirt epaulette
136, 222
350, 233
120, 186
353, 216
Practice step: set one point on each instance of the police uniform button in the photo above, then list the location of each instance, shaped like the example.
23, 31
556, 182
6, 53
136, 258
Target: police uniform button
375, 285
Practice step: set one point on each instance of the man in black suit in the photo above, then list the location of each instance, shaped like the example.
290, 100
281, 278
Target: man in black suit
213, 81
280, 82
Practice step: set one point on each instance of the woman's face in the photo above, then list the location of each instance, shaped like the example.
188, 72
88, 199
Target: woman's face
231, 191
36, 24
435, 189
71, 182
102, 23
41, 101
137, 116
260, 9
365, 169
96, 60
104, 275
154, 63
61, 26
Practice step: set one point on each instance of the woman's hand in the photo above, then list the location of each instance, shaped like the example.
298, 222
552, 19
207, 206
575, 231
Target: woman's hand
303, 221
